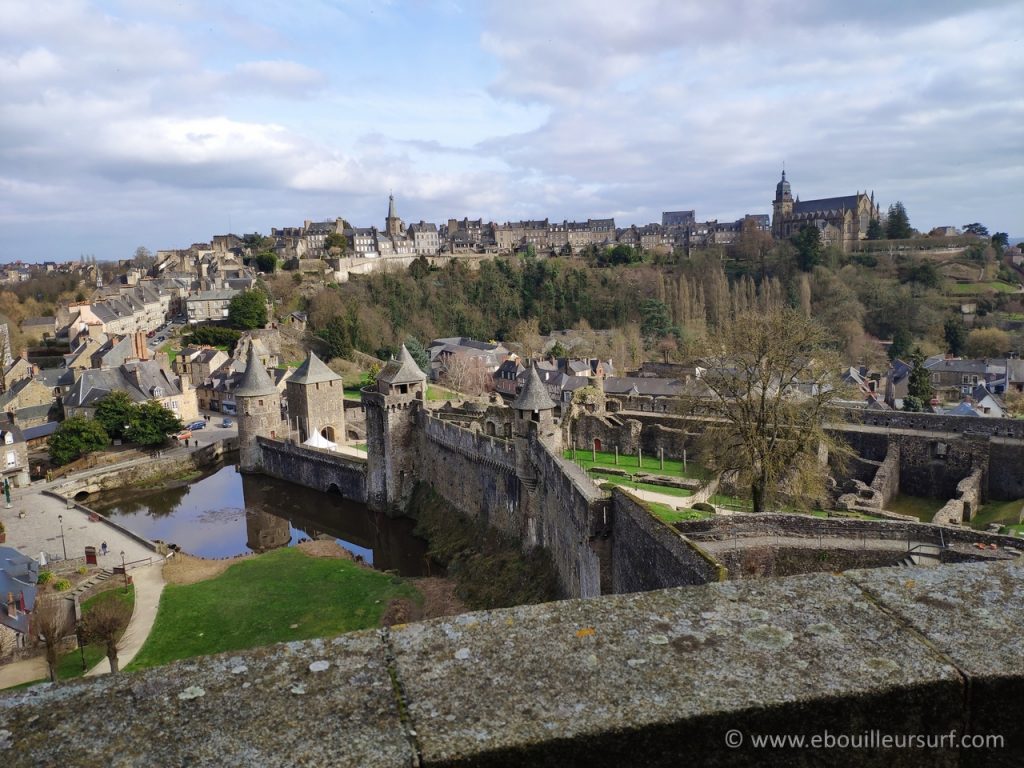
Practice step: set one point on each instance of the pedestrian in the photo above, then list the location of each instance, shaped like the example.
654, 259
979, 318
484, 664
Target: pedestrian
103, 548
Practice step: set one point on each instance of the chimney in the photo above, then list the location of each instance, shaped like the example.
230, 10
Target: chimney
23, 353
139, 349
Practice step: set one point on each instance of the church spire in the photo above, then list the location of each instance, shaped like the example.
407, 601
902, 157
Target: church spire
391, 207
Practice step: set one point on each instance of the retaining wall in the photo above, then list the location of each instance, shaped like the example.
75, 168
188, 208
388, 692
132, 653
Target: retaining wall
314, 468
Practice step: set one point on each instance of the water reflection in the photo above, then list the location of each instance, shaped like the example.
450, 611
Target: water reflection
227, 513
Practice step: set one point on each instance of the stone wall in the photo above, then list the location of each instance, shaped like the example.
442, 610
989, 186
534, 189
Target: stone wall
315, 468
649, 554
886, 482
761, 562
639, 679
1005, 480
570, 511
932, 468
965, 506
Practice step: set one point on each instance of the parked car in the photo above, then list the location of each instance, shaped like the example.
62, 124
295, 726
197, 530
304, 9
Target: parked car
196, 425
185, 434
226, 423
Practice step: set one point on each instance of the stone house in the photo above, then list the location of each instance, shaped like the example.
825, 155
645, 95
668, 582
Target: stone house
29, 402
143, 380
39, 328
199, 363
14, 460
425, 239
206, 306
954, 378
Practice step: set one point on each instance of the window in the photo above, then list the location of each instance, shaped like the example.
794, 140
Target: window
261, 402
12, 459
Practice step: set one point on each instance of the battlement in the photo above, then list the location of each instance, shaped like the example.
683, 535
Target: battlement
490, 450
642, 679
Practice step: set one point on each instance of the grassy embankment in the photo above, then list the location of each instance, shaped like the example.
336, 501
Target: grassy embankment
274, 597
1006, 513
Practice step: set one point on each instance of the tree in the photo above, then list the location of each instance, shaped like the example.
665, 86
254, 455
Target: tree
466, 375
987, 342
976, 229
913, 404
654, 321
955, 331
151, 423
875, 231
336, 335
248, 310
808, 247
214, 335
51, 621
143, 258
105, 623
1000, 240
336, 240
919, 384
897, 223
770, 380
115, 412
266, 262
76, 437
419, 354
901, 341
527, 334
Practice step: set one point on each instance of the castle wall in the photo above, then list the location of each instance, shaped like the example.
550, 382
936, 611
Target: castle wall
933, 468
1005, 469
257, 417
649, 554
314, 468
312, 407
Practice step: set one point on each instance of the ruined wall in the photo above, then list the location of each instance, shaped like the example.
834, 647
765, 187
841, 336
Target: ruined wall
965, 506
315, 468
772, 562
932, 468
1005, 480
649, 554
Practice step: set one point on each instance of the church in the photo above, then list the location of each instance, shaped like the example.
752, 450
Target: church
842, 221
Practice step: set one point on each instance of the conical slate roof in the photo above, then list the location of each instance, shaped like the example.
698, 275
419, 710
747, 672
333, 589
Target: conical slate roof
402, 371
534, 396
255, 381
313, 371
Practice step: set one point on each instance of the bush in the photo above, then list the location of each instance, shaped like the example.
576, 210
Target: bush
45, 577
62, 585
703, 506
82, 570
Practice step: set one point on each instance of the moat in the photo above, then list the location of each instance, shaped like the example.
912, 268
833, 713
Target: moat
226, 513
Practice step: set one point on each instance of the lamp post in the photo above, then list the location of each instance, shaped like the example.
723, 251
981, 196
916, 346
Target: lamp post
63, 544
124, 570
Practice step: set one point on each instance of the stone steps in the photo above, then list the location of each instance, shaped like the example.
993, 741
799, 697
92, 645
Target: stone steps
92, 581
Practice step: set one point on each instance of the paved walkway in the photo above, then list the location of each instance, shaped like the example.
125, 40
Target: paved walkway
149, 585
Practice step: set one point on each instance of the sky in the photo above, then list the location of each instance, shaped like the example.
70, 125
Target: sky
164, 122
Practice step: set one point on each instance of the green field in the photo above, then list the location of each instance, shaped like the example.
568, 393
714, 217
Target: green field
670, 515
277, 596
1002, 512
650, 464
993, 286
916, 506
625, 482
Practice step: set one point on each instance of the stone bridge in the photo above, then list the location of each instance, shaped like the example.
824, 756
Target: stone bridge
325, 471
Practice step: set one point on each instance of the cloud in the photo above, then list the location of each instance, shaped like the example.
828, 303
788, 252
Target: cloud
285, 78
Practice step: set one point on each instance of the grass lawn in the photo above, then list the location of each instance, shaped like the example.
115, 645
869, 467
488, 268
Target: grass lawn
994, 286
625, 482
921, 508
353, 393
360, 447
1003, 512
440, 393
669, 515
650, 464
255, 602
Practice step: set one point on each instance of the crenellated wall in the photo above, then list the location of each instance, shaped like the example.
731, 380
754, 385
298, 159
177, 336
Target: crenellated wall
314, 468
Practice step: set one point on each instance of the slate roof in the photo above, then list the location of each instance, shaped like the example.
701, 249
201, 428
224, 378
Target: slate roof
313, 371
402, 371
826, 204
642, 385
534, 396
255, 381
140, 380
18, 575
42, 430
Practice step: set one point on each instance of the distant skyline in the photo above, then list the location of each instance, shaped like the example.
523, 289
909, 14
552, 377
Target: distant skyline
164, 122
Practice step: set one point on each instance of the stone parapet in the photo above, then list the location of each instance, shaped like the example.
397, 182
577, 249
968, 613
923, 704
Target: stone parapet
486, 449
680, 676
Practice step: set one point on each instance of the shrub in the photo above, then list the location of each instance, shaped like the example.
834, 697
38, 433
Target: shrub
82, 570
703, 506
45, 577
60, 586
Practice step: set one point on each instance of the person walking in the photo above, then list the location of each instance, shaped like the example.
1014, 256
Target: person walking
103, 548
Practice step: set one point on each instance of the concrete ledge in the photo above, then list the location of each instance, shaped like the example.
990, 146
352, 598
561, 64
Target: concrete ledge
652, 679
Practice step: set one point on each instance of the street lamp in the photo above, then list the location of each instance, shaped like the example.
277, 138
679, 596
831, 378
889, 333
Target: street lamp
63, 544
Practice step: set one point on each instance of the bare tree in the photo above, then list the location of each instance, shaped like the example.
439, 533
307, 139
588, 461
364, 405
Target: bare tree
769, 383
105, 623
527, 334
51, 621
466, 375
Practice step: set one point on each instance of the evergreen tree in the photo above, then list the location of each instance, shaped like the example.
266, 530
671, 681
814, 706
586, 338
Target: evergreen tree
419, 354
901, 341
152, 423
897, 223
248, 310
875, 231
76, 437
920, 383
808, 247
955, 331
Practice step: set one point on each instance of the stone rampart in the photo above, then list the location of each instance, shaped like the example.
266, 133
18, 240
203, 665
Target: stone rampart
642, 679
649, 554
965, 506
315, 468
490, 451
571, 510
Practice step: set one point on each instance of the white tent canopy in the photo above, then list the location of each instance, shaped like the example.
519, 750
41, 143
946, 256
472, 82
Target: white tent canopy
316, 440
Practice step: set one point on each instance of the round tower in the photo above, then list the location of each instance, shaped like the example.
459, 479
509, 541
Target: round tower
390, 408
259, 412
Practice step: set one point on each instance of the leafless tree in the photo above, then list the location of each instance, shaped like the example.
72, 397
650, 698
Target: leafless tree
466, 375
51, 621
769, 384
105, 623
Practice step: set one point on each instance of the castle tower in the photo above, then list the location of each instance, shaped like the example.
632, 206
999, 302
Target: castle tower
782, 205
534, 419
392, 224
259, 412
390, 420
316, 402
